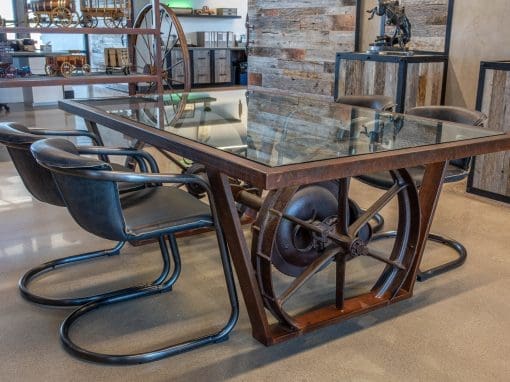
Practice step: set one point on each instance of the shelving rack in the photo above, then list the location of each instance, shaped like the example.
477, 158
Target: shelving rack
94, 78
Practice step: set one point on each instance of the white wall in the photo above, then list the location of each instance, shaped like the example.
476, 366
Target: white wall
220, 25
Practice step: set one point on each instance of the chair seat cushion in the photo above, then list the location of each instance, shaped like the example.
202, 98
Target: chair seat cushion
155, 210
384, 180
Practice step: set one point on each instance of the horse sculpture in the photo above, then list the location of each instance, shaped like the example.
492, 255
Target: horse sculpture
395, 15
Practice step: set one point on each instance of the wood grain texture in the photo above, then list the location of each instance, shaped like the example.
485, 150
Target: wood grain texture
202, 66
424, 84
294, 43
222, 66
422, 87
492, 171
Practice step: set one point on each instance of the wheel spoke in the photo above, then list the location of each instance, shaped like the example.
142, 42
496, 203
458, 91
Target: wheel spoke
343, 206
383, 259
340, 280
307, 274
375, 208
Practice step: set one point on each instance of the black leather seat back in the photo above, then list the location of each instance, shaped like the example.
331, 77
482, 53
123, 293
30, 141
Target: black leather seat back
37, 179
452, 114
93, 203
376, 102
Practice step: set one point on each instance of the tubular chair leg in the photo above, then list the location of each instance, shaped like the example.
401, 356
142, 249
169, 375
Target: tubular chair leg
33, 273
437, 270
138, 358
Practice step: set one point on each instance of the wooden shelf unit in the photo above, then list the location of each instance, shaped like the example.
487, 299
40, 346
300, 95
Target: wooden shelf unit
94, 78
78, 30
75, 80
212, 16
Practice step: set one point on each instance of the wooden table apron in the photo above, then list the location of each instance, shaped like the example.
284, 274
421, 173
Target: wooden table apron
220, 165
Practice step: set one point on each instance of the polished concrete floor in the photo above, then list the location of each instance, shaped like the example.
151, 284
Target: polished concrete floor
456, 327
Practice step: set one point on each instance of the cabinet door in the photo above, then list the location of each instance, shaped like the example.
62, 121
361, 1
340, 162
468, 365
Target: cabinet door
222, 66
201, 66
177, 66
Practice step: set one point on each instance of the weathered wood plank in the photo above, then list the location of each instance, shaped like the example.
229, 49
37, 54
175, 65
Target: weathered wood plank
492, 172
295, 42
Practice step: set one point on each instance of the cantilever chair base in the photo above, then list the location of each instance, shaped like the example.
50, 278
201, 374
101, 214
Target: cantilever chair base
460, 250
49, 266
150, 290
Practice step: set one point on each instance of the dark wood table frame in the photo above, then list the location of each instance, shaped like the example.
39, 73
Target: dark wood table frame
221, 165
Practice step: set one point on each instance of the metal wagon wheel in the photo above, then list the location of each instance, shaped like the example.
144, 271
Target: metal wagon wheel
67, 69
62, 17
87, 21
302, 230
171, 38
86, 69
50, 70
113, 20
42, 21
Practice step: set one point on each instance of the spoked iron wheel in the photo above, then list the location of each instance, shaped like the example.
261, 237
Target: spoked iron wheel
302, 230
175, 61
62, 17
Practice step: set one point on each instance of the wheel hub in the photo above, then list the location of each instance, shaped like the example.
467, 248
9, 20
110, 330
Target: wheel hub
358, 248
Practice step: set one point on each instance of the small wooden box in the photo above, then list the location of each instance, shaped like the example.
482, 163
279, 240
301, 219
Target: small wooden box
116, 57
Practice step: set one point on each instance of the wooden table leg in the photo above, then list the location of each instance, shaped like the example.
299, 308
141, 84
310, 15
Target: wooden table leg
430, 190
240, 255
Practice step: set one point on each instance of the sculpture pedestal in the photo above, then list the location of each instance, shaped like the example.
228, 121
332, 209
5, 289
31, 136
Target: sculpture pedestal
417, 80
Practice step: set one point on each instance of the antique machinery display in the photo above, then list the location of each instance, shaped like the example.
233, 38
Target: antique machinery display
171, 45
114, 13
66, 65
117, 60
63, 13
393, 14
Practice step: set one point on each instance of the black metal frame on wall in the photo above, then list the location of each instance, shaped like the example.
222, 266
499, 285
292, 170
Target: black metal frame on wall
484, 66
360, 12
402, 62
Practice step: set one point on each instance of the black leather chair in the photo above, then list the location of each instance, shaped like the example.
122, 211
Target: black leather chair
457, 170
90, 191
376, 102
39, 182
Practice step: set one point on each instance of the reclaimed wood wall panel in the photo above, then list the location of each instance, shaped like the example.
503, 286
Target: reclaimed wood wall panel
492, 172
293, 43
429, 21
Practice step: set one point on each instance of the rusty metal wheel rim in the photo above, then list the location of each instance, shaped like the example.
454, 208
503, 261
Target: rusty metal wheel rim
170, 25
398, 264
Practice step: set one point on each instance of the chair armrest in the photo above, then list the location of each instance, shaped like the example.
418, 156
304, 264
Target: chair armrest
142, 157
66, 133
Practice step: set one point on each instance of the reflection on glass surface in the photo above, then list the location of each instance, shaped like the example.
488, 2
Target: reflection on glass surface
280, 130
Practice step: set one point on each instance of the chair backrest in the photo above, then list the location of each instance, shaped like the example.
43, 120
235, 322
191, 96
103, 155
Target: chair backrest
452, 114
37, 179
92, 201
376, 102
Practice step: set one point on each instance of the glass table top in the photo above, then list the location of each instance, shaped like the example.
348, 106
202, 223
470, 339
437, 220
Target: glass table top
279, 130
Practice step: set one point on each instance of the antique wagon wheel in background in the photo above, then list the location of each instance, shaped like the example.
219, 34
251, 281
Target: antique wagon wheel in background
67, 69
86, 69
301, 230
174, 60
62, 16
